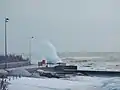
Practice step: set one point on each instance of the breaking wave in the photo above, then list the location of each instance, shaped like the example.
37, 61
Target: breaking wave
49, 52
97, 83
73, 83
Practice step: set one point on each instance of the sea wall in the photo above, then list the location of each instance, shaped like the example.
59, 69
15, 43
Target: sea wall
14, 64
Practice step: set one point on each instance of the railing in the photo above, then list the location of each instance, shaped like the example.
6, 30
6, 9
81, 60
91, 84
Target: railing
14, 64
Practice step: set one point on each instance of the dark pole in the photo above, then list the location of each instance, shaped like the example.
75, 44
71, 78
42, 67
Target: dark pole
30, 50
5, 39
6, 20
30, 47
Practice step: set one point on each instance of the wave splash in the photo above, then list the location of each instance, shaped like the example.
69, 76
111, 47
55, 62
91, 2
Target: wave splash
112, 84
49, 52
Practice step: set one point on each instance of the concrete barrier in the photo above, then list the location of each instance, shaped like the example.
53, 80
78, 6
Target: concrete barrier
14, 64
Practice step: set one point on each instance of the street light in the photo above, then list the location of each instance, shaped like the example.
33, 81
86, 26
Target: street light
6, 20
5, 52
30, 49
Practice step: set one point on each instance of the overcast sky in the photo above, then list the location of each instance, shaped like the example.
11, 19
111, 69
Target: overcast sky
71, 25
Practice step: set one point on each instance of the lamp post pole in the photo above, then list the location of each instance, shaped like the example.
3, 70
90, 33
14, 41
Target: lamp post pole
6, 20
30, 49
5, 52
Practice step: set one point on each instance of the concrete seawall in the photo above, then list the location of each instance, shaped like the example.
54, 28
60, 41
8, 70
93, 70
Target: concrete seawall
14, 64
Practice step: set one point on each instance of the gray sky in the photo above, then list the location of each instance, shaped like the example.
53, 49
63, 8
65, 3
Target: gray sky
71, 25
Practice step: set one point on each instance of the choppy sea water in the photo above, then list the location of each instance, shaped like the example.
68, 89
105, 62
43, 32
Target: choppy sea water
75, 83
105, 61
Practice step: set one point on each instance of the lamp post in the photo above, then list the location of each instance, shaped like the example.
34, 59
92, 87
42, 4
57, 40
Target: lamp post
6, 20
30, 49
5, 52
